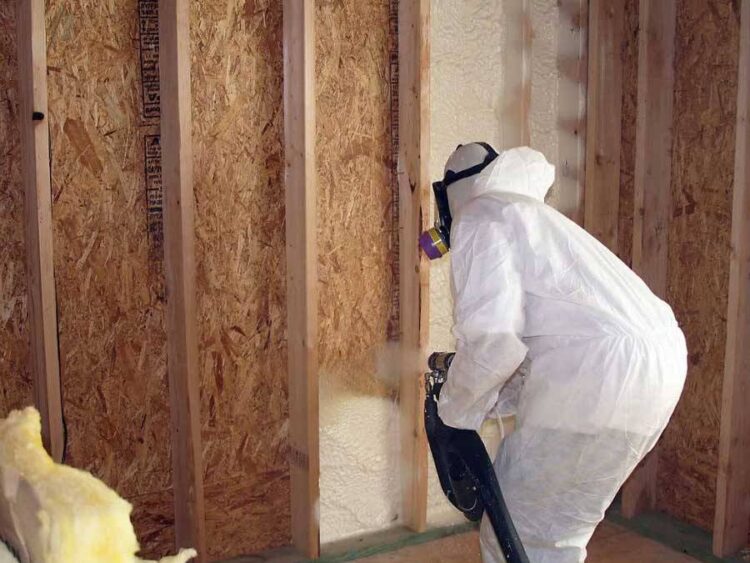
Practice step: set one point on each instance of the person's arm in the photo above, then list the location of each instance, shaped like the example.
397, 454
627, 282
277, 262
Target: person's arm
489, 318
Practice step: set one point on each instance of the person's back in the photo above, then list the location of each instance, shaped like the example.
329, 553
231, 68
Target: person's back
608, 360
566, 267
581, 305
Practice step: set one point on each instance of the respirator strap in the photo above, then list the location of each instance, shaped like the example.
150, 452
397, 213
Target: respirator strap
436, 242
452, 177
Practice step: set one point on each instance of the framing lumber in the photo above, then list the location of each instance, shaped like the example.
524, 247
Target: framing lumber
604, 120
517, 84
32, 84
414, 201
653, 169
732, 520
179, 264
571, 106
302, 259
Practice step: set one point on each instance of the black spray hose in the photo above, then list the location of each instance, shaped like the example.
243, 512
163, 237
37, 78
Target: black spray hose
473, 453
466, 473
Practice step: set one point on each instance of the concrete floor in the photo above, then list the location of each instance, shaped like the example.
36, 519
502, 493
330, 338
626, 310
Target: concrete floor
611, 544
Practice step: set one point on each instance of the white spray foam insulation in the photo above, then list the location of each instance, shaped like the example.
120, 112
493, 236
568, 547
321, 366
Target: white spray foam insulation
466, 82
544, 81
466, 101
360, 482
466, 105
359, 469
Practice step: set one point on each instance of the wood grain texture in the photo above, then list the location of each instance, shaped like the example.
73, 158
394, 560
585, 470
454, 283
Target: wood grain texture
654, 142
237, 106
153, 518
42, 301
639, 491
572, 65
604, 120
703, 163
302, 259
16, 388
357, 263
179, 263
352, 154
111, 317
517, 66
628, 128
414, 186
732, 520
652, 188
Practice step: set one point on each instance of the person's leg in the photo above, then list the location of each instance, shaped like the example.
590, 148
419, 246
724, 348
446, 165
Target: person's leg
557, 486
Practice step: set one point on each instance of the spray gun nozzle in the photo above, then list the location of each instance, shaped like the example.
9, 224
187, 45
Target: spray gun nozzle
440, 361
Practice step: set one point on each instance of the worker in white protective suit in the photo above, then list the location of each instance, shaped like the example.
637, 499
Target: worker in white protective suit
607, 360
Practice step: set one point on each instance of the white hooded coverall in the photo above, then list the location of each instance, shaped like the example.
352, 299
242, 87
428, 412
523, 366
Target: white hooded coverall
608, 360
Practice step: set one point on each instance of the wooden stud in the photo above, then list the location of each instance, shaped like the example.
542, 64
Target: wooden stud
414, 198
42, 309
302, 259
732, 522
571, 106
653, 164
639, 491
517, 83
604, 120
179, 263
653, 169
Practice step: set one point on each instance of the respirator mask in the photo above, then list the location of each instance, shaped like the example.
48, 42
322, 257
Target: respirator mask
436, 242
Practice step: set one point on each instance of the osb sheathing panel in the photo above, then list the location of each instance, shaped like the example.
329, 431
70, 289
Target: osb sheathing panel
702, 172
153, 517
15, 383
354, 196
111, 322
237, 69
629, 54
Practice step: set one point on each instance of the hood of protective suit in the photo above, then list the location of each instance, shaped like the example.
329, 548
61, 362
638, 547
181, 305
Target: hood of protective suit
521, 171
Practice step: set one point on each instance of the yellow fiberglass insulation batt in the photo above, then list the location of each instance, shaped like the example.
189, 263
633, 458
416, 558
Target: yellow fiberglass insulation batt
57, 514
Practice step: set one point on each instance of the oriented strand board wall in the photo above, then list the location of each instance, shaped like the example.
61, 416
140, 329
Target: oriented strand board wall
627, 149
354, 195
355, 269
111, 321
702, 168
112, 333
238, 161
15, 383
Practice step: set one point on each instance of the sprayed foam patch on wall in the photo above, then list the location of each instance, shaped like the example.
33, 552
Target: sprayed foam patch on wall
359, 434
358, 428
467, 104
543, 115
465, 97
358, 465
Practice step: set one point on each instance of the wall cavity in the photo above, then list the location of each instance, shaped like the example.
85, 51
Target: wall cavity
467, 104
